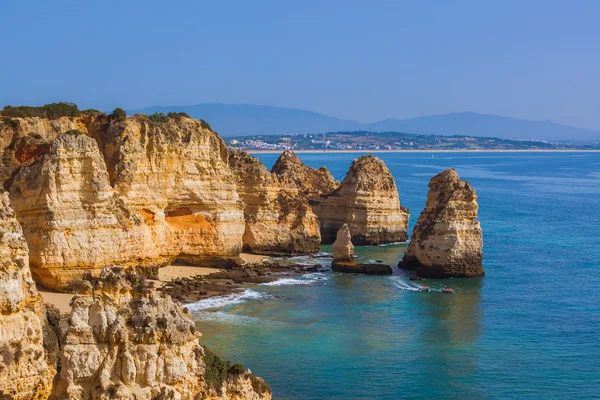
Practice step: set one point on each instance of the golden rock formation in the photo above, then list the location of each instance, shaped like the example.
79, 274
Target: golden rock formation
279, 219
152, 192
126, 341
368, 201
343, 249
447, 239
26, 369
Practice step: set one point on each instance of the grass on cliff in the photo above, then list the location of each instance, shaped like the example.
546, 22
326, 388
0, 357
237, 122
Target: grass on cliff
218, 370
50, 111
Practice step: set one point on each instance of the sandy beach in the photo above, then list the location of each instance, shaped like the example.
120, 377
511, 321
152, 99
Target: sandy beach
165, 274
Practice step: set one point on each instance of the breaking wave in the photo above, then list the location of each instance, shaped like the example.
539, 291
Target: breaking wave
222, 301
307, 279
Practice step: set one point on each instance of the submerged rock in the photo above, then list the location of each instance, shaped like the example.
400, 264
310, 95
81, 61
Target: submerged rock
364, 269
278, 218
447, 239
368, 201
28, 344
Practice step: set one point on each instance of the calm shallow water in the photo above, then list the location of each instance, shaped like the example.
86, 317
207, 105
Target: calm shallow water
529, 329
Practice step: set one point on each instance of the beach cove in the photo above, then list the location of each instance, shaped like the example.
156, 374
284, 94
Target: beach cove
523, 331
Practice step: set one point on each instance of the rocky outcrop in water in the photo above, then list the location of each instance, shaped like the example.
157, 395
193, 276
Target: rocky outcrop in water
447, 239
157, 191
126, 341
368, 201
343, 257
28, 345
343, 249
278, 218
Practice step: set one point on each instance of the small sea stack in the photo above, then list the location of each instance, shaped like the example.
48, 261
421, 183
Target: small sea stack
343, 249
343, 257
447, 239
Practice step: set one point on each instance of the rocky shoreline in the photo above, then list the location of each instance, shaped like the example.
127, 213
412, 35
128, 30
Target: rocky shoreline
200, 287
97, 204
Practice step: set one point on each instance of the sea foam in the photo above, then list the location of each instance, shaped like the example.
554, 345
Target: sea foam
307, 279
222, 301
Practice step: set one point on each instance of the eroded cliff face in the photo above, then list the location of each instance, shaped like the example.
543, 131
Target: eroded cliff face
279, 219
310, 181
72, 220
368, 201
176, 172
447, 239
152, 192
126, 341
24, 139
26, 367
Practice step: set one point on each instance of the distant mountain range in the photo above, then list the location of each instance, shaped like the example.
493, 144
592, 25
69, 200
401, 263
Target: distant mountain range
248, 119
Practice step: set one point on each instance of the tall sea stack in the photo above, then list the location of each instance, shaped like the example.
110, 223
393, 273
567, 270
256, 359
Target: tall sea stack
368, 201
447, 239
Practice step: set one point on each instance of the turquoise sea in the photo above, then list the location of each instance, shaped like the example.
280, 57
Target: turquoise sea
529, 330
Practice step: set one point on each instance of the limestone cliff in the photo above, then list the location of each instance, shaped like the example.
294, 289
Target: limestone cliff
152, 192
126, 341
24, 139
175, 172
71, 218
292, 170
447, 239
368, 201
26, 369
279, 219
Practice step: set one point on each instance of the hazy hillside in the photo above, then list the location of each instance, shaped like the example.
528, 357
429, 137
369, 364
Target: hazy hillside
468, 123
247, 119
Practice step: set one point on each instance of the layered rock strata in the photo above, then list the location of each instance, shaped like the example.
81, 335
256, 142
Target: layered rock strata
126, 341
71, 218
157, 191
26, 340
175, 173
368, 201
447, 239
278, 218
24, 139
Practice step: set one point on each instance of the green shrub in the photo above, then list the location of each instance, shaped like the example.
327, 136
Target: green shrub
74, 132
159, 117
13, 123
51, 111
177, 115
205, 124
217, 370
236, 369
118, 114
91, 111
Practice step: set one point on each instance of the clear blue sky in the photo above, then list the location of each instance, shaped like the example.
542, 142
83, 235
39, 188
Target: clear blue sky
363, 60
